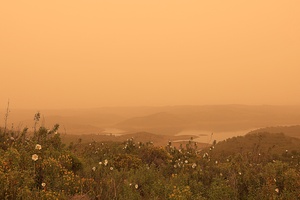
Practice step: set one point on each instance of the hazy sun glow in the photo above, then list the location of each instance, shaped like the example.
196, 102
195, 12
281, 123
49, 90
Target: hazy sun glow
79, 54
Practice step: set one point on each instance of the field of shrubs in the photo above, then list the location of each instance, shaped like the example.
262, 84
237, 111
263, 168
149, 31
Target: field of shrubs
40, 166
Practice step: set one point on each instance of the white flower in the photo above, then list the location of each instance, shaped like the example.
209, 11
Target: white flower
105, 162
34, 157
43, 184
216, 162
38, 146
194, 165
55, 132
111, 168
100, 163
136, 186
94, 168
186, 161
240, 173
277, 190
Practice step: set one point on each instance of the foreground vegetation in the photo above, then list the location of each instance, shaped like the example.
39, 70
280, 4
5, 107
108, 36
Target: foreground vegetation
251, 167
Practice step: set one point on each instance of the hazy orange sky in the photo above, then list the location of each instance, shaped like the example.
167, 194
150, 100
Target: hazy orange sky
94, 53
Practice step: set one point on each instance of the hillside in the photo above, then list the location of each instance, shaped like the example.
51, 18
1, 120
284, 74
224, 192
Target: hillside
256, 145
293, 131
255, 166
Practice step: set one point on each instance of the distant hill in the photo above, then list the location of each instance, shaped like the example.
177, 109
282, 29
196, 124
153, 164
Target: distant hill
257, 143
293, 131
160, 123
212, 118
168, 120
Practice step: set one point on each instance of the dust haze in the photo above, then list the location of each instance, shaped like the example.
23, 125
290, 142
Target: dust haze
163, 67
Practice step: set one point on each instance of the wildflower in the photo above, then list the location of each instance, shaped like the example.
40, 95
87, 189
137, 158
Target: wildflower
100, 163
136, 186
12, 138
55, 132
94, 168
186, 161
105, 162
34, 157
111, 168
216, 162
240, 173
38, 146
194, 165
277, 190
43, 184
274, 179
